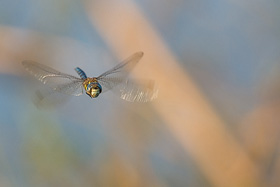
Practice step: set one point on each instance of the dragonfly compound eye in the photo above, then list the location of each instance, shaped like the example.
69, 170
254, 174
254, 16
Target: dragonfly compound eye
93, 89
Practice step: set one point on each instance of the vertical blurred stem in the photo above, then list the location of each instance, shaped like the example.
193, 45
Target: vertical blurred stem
184, 109
260, 131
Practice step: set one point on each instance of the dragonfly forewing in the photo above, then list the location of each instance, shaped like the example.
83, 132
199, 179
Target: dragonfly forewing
54, 79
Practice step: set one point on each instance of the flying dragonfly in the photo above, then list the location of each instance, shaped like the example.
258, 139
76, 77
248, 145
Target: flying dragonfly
115, 79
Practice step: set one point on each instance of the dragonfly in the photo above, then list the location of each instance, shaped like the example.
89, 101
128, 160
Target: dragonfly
116, 79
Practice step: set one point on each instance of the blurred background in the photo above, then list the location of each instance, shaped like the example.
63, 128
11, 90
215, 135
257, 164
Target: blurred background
216, 121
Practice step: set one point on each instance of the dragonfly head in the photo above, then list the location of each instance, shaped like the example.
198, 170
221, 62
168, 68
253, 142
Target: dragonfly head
93, 88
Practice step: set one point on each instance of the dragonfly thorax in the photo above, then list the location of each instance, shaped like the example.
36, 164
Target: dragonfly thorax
92, 87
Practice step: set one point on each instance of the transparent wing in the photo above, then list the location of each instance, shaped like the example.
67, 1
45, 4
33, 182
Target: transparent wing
131, 91
119, 73
117, 81
60, 82
48, 99
127, 64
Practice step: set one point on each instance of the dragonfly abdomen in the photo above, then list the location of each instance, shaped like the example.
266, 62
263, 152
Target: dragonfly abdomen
81, 73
